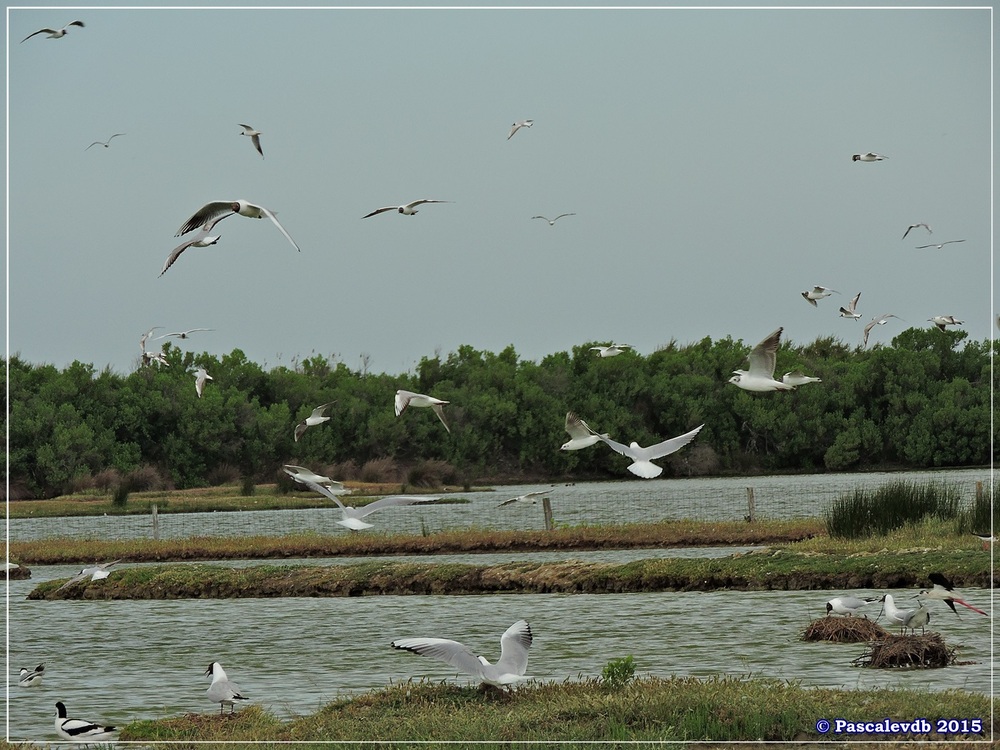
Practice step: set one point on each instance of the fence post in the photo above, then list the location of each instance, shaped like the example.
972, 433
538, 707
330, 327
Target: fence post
751, 515
979, 490
156, 523
547, 512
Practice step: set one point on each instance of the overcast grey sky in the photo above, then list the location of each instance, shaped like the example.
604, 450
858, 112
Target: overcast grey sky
706, 154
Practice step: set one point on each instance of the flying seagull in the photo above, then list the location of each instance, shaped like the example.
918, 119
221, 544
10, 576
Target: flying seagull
612, 350
183, 334
409, 398
552, 221
642, 458
78, 730
509, 669
581, 434
914, 226
878, 320
95, 572
518, 125
407, 209
944, 590
313, 419
215, 211
851, 311
528, 498
947, 242
352, 516
199, 380
870, 156
54, 33
145, 337
760, 376
817, 292
103, 143
202, 239
945, 320
222, 690
302, 475
254, 137
31, 677
797, 377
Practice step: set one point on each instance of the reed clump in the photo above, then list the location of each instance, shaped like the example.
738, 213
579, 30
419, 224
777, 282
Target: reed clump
866, 512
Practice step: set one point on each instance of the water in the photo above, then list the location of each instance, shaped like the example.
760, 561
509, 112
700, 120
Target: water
119, 661
706, 499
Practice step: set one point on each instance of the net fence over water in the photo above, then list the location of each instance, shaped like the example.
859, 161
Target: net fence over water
591, 503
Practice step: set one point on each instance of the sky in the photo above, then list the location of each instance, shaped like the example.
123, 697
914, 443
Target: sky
706, 154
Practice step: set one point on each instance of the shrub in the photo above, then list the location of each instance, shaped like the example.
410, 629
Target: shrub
222, 474
248, 486
866, 512
145, 479
618, 672
120, 496
380, 471
431, 473
106, 480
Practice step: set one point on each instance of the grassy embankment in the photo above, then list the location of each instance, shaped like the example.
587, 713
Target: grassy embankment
722, 709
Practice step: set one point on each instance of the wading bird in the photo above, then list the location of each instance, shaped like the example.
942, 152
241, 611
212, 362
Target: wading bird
78, 730
944, 591
31, 677
222, 690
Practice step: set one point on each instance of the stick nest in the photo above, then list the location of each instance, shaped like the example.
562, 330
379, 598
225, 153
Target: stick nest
844, 630
927, 651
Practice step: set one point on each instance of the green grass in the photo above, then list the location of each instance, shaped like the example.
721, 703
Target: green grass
721, 709
874, 511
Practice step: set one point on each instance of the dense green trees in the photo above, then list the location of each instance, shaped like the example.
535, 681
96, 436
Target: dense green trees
924, 401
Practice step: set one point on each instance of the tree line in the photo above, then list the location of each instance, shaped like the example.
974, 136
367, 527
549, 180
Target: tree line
921, 402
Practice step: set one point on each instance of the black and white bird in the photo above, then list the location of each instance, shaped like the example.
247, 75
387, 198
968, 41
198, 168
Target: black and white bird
848, 605
528, 498
95, 573
508, 670
642, 458
200, 376
31, 677
851, 311
183, 334
254, 137
582, 436
878, 320
202, 239
518, 125
213, 212
313, 419
915, 226
945, 591
817, 292
939, 246
945, 320
222, 690
552, 221
79, 730
905, 618
54, 33
352, 517
762, 360
106, 143
407, 209
419, 400
870, 156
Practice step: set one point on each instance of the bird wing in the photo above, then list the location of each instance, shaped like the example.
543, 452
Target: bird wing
513, 129
543, 217
75, 579
670, 446
256, 144
176, 252
212, 212
380, 210
439, 410
323, 491
763, 356
273, 218
299, 429
318, 411
40, 31
425, 200
938, 579
561, 215
617, 447
403, 400
514, 645
390, 501
451, 652
576, 427
907, 231
75, 23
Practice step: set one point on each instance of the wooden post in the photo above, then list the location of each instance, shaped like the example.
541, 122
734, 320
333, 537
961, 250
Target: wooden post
979, 491
547, 511
751, 506
156, 523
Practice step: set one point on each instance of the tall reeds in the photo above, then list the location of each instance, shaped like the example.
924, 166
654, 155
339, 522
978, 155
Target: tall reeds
866, 512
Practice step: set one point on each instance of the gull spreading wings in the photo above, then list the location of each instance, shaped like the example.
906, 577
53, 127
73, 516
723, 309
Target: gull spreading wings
409, 398
103, 143
581, 433
352, 516
552, 221
54, 33
407, 209
202, 239
95, 573
213, 212
642, 458
313, 419
915, 226
878, 320
518, 125
760, 376
254, 137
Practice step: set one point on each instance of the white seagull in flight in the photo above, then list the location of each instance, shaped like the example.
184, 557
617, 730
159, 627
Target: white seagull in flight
642, 458
612, 350
581, 433
797, 377
879, 320
552, 222
947, 242
945, 320
915, 226
352, 516
313, 419
302, 475
528, 498
760, 376
518, 125
183, 334
96, 573
870, 156
851, 311
407, 209
254, 137
215, 211
409, 398
54, 33
202, 239
817, 292
103, 143
199, 380
509, 669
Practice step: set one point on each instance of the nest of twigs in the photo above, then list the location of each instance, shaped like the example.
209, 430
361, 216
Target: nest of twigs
844, 630
927, 651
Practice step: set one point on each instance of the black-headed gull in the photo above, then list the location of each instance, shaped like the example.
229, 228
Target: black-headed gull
612, 350
847, 605
183, 334
941, 321
407, 209
409, 398
581, 433
200, 377
145, 337
938, 246
54, 33
760, 376
508, 670
851, 311
870, 156
352, 516
552, 221
642, 458
254, 137
944, 591
797, 377
222, 690
528, 498
313, 419
106, 143
202, 239
518, 125
213, 212
78, 730
878, 320
817, 292
903, 617
95, 573
915, 226
302, 475
31, 677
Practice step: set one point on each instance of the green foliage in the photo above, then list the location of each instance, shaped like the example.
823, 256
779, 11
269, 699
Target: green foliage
120, 496
922, 402
618, 672
866, 512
